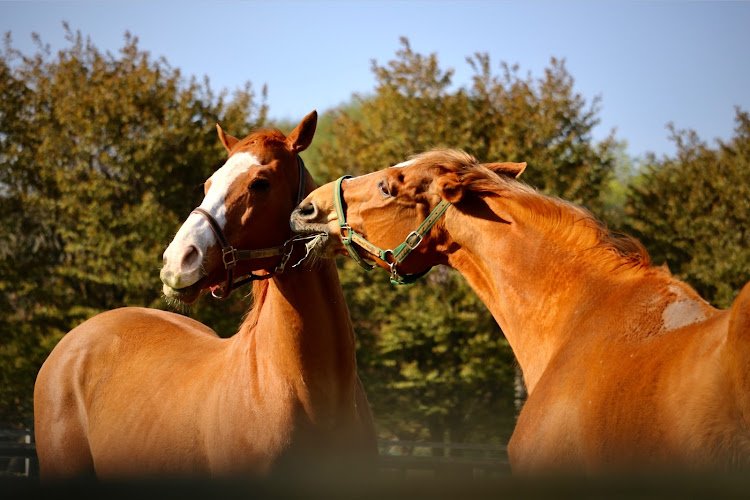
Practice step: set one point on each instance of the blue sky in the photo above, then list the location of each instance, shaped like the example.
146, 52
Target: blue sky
651, 62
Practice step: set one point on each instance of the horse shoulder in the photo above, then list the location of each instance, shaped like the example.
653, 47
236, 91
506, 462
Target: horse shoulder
105, 369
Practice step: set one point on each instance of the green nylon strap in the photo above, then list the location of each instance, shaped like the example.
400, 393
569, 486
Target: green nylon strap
415, 237
344, 227
392, 257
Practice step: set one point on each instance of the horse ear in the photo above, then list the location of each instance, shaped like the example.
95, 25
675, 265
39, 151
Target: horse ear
227, 140
510, 169
302, 136
449, 187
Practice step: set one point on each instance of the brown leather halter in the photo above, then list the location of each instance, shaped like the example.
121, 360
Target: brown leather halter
230, 255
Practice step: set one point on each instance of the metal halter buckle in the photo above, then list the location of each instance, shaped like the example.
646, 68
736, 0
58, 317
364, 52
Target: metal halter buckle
408, 242
229, 256
346, 227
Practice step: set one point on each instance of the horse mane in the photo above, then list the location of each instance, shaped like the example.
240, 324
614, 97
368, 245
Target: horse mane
259, 293
566, 221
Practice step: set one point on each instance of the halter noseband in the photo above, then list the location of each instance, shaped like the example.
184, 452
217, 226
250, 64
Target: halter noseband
392, 257
230, 255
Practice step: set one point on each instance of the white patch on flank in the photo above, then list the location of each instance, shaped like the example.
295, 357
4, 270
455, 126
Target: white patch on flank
683, 311
195, 230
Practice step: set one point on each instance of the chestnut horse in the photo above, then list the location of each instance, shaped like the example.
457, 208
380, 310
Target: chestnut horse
139, 392
626, 366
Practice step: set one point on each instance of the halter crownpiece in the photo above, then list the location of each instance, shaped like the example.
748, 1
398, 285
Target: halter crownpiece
230, 255
393, 257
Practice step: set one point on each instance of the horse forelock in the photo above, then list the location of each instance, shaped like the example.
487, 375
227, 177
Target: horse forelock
260, 139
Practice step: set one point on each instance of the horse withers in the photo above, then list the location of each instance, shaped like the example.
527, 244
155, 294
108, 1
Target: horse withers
137, 392
626, 367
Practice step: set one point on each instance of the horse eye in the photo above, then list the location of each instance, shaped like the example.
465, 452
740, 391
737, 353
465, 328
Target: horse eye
383, 187
260, 185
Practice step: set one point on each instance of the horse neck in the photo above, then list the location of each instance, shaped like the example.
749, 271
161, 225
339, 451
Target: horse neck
534, 285
300, 331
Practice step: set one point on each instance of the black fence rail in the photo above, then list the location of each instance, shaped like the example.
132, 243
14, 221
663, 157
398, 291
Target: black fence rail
398, 459
18, 453
433, 459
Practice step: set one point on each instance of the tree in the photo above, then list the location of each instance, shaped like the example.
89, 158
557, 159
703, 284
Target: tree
434, 362
692, 212
499, 118
432, 358
102, 156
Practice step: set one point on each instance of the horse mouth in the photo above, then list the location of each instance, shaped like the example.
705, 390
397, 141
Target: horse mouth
186, 295
321, 243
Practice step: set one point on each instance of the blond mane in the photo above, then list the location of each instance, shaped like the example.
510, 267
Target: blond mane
567, 222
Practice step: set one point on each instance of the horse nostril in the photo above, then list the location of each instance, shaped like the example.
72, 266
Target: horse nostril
308, 210
191, 258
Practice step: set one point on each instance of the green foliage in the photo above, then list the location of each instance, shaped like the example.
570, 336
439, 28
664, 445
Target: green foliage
432, 358
693, 212
499, 118
102, 157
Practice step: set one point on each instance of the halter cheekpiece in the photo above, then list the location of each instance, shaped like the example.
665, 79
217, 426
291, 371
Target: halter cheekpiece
393, 257
230, 256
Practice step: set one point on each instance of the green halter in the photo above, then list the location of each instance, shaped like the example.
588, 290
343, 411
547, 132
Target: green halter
392, 257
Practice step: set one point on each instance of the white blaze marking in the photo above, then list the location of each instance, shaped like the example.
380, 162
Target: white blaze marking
404, 164
400, 165
214, 202
196, 230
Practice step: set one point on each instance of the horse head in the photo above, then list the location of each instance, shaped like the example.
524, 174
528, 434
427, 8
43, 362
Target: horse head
388, 215
241, 227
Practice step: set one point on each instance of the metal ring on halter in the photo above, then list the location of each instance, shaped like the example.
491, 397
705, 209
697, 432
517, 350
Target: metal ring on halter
411, 245
394, 272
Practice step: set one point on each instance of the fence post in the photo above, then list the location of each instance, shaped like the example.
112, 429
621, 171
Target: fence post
27, 462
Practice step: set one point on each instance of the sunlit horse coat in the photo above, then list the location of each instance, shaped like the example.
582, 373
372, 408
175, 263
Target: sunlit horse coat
140, 392
626, 366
